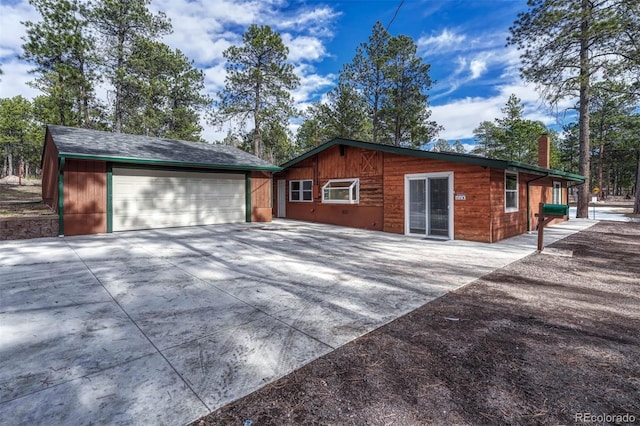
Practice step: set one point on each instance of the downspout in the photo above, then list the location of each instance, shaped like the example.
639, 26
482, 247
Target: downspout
529, 199
61, 197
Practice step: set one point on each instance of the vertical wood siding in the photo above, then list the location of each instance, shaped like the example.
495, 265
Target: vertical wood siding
480, 216
85, 197
50, 174
261, 197
339, 163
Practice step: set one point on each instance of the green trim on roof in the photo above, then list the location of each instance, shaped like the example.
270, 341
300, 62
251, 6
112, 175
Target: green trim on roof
168, 163
444, 156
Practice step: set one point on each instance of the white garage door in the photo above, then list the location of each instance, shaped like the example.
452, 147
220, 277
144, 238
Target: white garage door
146, 199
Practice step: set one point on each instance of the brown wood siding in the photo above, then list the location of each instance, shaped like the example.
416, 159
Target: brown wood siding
472, 216
50, 174
334, 163
480, 216
85, 197
505, 225
261, 197
541, 191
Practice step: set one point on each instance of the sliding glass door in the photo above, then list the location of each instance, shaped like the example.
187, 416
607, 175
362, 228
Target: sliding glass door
428, 202
417, 206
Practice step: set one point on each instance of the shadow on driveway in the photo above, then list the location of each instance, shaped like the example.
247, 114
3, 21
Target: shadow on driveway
165, 326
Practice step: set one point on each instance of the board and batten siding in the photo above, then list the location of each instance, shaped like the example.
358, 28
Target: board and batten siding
85, 197
50, 174
471, 216
261, 209
338, 162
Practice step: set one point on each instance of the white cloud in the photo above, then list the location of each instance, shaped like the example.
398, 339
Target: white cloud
13, 81
460, 117
316, 21
214, 78
312, 85
477, 68
446, 41
11, 18
304, 48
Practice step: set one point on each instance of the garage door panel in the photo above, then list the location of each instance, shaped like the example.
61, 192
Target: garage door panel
145, 199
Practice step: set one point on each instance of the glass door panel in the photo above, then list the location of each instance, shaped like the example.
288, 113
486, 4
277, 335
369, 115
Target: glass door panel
417, 206
439, 207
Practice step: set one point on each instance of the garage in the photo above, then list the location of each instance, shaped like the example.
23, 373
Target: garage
148, 199
102, 182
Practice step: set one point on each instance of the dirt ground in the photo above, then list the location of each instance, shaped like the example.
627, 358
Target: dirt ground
551, 339
22, 200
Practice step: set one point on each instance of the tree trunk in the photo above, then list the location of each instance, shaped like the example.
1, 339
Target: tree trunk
85, 98
375, 120
257, 138
61, 101
119, 71
636, 203
600, 163
9, 162
583, 121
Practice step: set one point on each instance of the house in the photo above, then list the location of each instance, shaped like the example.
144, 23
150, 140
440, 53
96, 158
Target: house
418, 193
104, 182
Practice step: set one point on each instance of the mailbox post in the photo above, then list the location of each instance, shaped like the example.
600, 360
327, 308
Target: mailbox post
546, 213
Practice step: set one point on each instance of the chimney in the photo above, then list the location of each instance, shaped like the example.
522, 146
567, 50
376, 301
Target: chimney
544, 146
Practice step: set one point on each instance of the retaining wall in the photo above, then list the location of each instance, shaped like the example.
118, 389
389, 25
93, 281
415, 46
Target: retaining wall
26, 227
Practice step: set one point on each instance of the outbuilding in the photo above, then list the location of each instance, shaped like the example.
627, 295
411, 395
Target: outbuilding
101, 182
419, 193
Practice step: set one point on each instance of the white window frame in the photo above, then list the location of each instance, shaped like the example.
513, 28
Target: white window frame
556, 195
508, 209
300, 191
354, 191
407, 210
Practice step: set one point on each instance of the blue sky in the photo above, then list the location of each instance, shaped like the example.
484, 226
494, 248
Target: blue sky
464, 41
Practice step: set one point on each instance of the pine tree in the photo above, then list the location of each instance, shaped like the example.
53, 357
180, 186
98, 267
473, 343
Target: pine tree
258, 84
120, 25
62, 52
565, 45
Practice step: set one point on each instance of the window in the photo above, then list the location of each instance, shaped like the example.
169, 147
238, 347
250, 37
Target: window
510, 192
301, 190
341, 191
557, 192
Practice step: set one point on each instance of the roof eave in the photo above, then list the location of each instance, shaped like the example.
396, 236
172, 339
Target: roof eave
151, 162
530, 168
459, 158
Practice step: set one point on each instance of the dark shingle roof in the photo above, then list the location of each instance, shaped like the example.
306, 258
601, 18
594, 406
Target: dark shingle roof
119, 147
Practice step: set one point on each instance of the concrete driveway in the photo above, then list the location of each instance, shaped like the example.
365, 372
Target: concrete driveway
162, 327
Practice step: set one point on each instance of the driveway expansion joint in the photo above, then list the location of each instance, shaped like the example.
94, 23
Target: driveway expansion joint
138, 327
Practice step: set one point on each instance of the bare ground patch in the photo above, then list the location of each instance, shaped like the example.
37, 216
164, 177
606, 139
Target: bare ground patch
22, 200
536, 342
